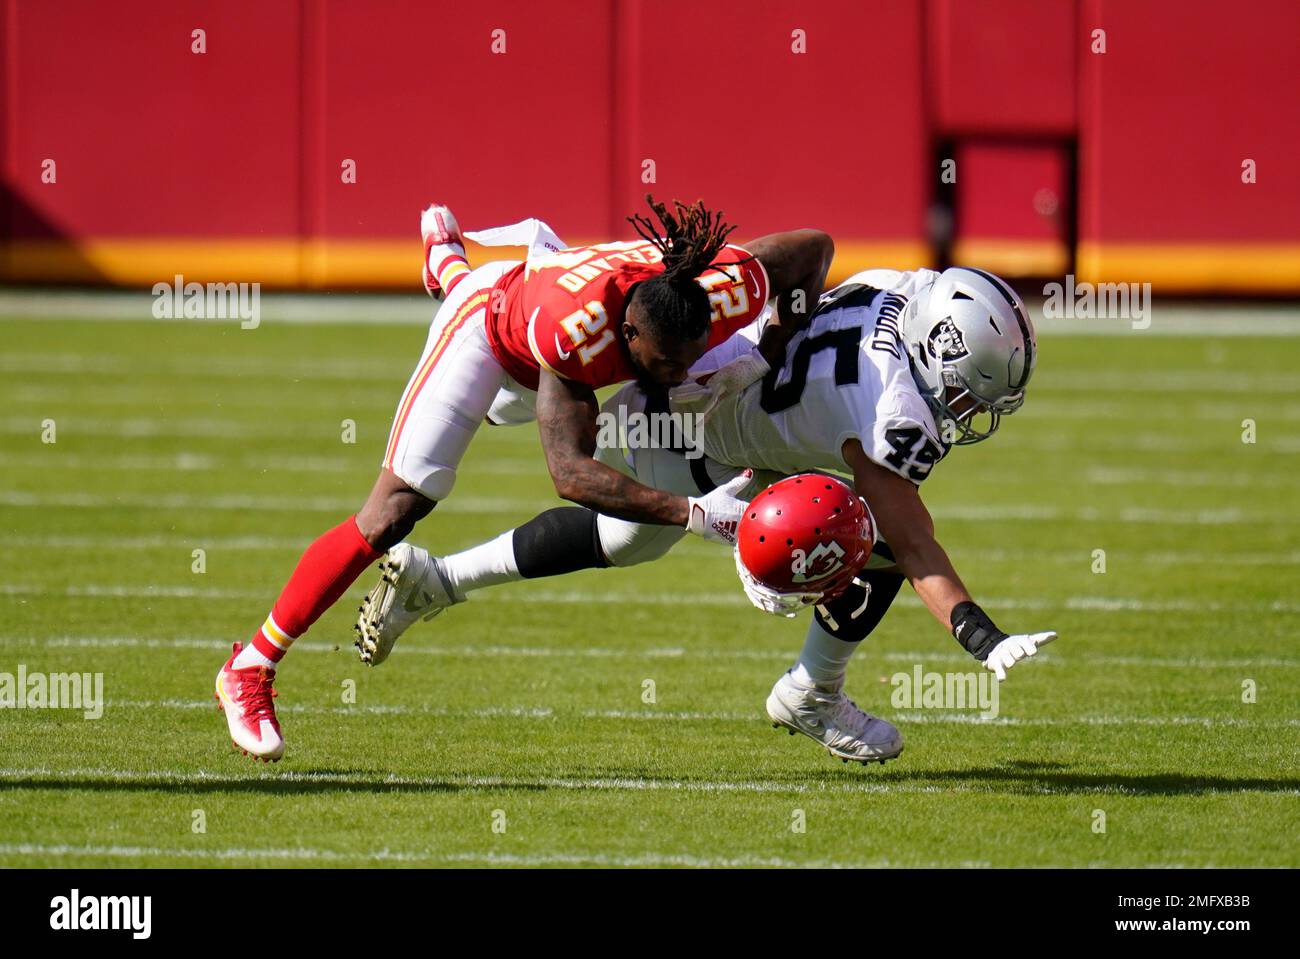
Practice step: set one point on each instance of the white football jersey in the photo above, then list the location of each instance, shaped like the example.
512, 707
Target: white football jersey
845, 377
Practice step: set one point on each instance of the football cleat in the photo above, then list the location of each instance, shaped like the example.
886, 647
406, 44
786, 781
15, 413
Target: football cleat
247, 696
411, 586
438, 227
833, 720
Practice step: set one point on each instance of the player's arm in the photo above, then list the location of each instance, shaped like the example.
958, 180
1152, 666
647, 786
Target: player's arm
566, 419
796, 262
905, 524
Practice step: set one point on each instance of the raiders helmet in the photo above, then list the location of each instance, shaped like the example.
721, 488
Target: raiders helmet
969, 330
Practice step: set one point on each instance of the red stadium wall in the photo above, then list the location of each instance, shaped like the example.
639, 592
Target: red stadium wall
227, 165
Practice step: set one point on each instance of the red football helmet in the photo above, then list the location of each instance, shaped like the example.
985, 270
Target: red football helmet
802, 541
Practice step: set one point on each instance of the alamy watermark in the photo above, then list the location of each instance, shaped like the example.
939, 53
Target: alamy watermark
36, 690
75, 912
925, 690
641, 431
1101, 301
208, 301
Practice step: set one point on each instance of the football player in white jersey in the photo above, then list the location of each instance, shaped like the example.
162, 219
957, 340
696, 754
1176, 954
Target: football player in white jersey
893, 370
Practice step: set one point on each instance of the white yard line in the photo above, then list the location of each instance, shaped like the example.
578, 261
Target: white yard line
136, 305
244, 503
314, 854
208, 462
380, 779
1077, 557
1104, 604
1178, 317
481, 858
191, 427
969, 717
351, 369
970, 512
422, 647
1206, 381
1131, 476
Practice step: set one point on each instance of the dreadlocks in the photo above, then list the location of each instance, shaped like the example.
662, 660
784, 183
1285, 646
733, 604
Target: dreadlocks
692, 236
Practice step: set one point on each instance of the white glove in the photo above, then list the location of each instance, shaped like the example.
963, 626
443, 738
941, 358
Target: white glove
1013, 649
716, 515
700, 397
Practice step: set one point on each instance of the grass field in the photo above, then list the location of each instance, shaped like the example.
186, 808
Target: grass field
174, 437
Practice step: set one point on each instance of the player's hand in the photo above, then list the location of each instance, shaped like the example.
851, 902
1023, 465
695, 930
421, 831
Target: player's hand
1013, 649
716, 515
700, 397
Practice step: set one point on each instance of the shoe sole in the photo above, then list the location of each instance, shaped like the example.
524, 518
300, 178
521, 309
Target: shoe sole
372, 609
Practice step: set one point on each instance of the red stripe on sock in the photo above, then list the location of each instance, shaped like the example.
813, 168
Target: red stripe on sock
449, 259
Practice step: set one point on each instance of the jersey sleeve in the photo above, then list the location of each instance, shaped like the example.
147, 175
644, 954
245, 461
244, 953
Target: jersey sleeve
738, 289
757, 284
902, 440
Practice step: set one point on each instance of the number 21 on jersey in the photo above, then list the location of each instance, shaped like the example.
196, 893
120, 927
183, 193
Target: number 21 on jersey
584, 324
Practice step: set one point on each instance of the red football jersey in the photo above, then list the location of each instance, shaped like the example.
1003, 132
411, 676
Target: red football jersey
564, 310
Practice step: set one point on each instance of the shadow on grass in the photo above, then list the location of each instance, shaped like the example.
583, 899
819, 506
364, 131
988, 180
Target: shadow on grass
1018, 777
1029, 777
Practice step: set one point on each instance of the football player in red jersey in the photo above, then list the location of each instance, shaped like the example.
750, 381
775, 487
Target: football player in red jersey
512, 342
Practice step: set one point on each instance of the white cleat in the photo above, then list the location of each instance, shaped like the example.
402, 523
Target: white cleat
411, 586
834, 720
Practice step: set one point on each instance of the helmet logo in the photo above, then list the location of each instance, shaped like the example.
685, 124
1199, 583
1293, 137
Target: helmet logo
946, 343
826, 559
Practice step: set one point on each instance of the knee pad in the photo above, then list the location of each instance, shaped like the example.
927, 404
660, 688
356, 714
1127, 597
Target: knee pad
561, 540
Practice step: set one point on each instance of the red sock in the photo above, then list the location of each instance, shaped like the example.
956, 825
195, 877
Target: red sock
328, 567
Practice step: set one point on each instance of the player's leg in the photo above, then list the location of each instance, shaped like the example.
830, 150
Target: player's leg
442, 406
558, 541
328, 567
809, 698
449, 398
570, 538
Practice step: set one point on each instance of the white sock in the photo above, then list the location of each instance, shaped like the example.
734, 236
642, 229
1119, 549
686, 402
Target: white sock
250, 655
824, 659
491, 564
